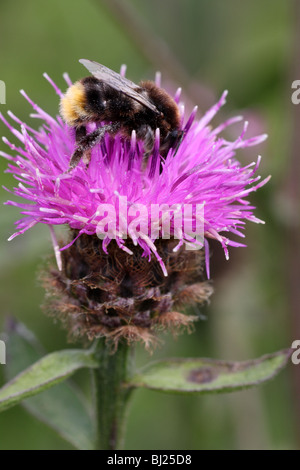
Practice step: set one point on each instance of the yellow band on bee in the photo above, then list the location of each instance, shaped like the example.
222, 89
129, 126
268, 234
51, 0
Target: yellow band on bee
72, 105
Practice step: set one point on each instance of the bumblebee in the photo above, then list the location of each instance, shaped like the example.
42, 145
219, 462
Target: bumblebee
121, 106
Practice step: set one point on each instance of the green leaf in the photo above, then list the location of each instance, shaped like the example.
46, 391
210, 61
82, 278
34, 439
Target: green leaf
208, 375
63, 407
48, 371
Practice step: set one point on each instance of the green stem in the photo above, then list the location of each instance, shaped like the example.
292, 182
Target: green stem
111, 395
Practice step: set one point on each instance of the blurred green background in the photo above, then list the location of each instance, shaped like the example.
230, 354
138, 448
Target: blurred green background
205, 46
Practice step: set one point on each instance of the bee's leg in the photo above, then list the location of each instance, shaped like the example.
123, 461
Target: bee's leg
80, 134
147, 135
172, 141
177, 137
87, 141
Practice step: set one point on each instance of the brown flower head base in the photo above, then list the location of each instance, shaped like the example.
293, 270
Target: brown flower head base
118, 295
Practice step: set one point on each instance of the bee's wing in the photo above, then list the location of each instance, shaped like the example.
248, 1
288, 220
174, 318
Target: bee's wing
117, 82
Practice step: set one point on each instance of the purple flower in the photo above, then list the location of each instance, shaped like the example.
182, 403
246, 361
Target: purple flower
203, 171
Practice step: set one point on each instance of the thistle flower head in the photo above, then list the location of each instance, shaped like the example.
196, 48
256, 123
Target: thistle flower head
111, 201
